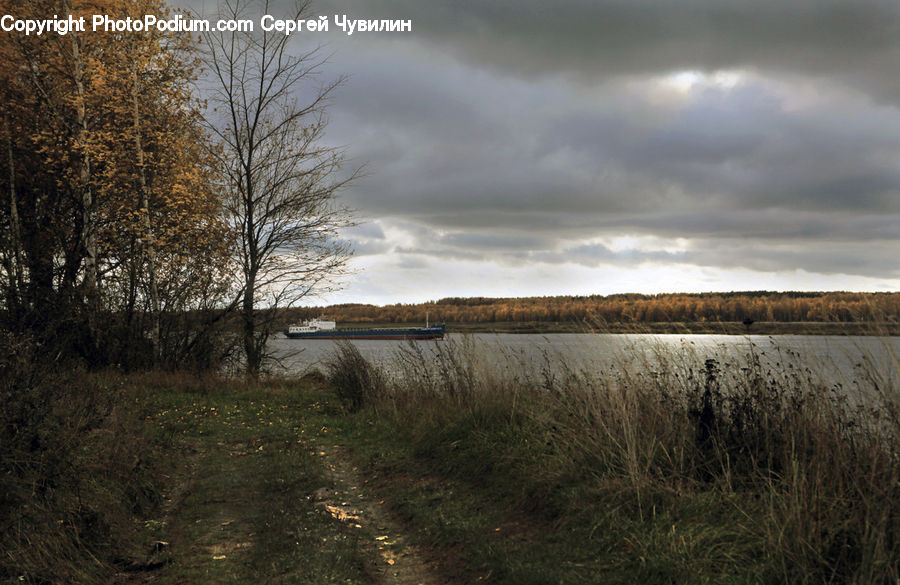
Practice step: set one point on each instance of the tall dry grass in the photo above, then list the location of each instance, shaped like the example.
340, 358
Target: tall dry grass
810, 464
78, 470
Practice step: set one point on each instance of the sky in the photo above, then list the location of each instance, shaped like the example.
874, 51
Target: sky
523, 147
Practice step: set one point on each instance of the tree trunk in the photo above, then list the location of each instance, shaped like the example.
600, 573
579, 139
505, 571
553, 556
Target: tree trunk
15, 276
147, 244
251, 347
88, 235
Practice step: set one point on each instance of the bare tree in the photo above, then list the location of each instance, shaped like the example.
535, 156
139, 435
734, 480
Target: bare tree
267, 110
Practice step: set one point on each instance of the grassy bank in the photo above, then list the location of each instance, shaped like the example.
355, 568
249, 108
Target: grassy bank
664, 469
166, 478
696, 473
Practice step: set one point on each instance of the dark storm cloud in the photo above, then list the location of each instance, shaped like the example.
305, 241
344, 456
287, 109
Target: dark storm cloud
865, 260
725, 151
757, 225
594, 38
874, 258
877, 261
765, 225
493, 241
366, 230
746, 147
598, 254
766, 131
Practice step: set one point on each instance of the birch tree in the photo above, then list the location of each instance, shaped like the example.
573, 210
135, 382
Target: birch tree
109, 212
267, 111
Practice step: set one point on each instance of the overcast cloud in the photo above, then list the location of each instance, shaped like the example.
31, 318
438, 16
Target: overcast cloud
576, 147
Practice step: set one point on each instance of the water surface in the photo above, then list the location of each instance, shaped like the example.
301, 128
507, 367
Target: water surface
831, 359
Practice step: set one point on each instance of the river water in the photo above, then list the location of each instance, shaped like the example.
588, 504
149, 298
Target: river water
833, 360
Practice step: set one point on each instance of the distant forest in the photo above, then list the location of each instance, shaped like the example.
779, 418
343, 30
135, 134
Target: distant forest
833, 307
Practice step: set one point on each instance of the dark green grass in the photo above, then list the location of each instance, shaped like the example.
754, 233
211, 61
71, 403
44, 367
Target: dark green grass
471, 485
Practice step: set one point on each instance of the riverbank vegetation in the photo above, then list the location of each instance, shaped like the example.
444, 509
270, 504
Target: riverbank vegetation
78, 470
661, 470
668, 467
140, 234
676, 312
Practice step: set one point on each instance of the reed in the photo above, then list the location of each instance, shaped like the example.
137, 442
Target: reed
801, 473
356, 381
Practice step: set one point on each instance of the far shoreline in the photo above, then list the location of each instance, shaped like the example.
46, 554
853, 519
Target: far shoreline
660, 328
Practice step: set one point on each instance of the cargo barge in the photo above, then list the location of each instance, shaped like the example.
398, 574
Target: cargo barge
319, 329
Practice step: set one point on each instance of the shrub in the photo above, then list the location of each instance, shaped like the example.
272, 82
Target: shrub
356, 381
76, 470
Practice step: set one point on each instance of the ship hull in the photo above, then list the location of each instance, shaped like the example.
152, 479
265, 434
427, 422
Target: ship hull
436, 332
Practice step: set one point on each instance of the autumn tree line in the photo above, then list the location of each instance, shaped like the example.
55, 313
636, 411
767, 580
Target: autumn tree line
161, 196
157, 186
842, 307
